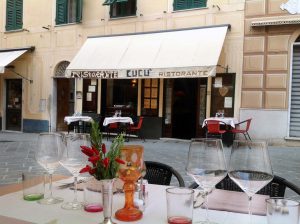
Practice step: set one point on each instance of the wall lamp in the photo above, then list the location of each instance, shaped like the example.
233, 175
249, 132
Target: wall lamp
46, 27
216, 6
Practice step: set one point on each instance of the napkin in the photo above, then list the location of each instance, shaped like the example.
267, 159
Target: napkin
117, 187
234, 201
5, 219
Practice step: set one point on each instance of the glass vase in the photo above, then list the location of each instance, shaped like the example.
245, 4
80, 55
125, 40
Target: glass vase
107, 198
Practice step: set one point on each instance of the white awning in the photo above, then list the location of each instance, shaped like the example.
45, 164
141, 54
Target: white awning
9, 55
170, 54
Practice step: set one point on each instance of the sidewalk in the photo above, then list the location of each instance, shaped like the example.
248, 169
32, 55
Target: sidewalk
17, 155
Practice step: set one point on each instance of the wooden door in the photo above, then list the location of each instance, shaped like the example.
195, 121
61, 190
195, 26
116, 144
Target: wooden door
65, 102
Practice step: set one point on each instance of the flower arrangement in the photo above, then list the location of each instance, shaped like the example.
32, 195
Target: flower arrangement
103, 164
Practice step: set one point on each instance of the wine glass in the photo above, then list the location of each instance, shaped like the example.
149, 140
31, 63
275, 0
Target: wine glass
206, 165
73, 160
250, 167
130, 172
48, 155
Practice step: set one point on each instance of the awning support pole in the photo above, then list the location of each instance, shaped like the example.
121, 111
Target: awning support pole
30, 80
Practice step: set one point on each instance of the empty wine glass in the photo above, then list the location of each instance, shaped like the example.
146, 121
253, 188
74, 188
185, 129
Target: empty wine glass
48, 155
250, 167
206, 165
74, 160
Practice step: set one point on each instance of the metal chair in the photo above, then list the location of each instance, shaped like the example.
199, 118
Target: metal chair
242, 128
276, 188
137, 129
161, 174
214, 128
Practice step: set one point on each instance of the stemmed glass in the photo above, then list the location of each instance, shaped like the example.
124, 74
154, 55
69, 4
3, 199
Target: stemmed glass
48, 155
206, 165
73, 160
250, 167
130, 172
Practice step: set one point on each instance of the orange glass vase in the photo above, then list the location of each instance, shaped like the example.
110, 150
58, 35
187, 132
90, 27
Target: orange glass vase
130, 172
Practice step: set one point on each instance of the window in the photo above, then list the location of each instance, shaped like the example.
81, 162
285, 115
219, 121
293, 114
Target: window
14, 14
121, 94
68, 11
150, 93
188, 4
123, 8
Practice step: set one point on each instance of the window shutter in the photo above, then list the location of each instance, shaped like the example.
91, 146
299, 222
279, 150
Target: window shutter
61, 11
198, 3
79, 11
19, 14
10, 14
180, 4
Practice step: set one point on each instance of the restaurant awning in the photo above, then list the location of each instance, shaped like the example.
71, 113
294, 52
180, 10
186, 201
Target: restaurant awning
9, 55
185, 53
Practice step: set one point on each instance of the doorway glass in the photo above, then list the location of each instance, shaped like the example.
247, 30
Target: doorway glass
14, 104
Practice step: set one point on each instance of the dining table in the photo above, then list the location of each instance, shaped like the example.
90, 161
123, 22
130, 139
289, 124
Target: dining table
76, 119
231, 121
15, 210
110, 120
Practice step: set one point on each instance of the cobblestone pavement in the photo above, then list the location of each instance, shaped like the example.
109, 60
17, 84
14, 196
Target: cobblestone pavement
17, 155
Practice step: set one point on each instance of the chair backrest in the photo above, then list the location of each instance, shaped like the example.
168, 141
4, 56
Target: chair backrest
248, 124
213, 126
160, 173
139, 125
276, 188
113, 125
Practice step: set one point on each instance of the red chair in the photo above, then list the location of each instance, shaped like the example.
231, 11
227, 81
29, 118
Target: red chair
242, 128
132, 129
112, 128
214, 128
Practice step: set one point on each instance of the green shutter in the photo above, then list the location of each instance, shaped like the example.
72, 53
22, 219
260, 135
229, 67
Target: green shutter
109, 2
180, 4
61, 12
10, 14
19, 14
14, 14
198, 3
78, 11
188, 4
118, 1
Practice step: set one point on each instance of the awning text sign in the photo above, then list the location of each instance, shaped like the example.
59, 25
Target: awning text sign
146, 73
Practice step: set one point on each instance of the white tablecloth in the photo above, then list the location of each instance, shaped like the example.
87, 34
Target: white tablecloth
70, 119
13, 205
109, 120
227, 120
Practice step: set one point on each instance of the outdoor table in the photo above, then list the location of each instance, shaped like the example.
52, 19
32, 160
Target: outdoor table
231, 121
12, 205
109, 120
72, 119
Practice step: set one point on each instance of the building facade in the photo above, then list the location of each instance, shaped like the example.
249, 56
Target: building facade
270, 88
41, 41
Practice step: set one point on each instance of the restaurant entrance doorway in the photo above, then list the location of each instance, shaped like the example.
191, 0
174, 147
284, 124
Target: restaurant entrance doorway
184, 108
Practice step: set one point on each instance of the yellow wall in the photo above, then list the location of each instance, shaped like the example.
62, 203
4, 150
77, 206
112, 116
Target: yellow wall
61, 43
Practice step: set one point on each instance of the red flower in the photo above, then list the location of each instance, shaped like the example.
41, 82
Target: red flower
94, 159
86, 150
96, 151
106, 162
118, 160
85, 169
92, 171
103, 148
